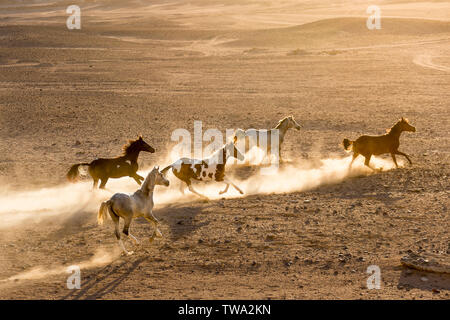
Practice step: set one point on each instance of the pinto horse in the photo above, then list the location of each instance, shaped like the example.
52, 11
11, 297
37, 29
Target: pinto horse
376, 145
211, 168
123, 166
127, 207
253, 137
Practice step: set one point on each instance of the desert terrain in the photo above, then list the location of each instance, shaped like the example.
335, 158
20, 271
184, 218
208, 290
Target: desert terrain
151, 67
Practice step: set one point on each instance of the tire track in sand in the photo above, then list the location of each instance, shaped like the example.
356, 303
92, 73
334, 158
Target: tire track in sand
426, 61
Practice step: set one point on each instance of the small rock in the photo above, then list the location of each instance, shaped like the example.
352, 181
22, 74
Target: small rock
288, 263
435, 290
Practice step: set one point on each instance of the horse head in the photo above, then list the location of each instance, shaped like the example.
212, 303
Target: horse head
287, 123
405, 126
160, 179
154, 177
292, 123
138, 145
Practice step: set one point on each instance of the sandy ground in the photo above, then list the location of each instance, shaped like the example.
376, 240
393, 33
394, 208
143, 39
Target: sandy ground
139, 68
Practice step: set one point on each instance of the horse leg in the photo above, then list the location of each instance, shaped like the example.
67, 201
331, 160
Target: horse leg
137, 178
280, 158
152, 220
226, 188
405, 155
367, 162
115, 219
103, 182
126, 231
394, 159
355, 155
95, 184
191, 189
182, 187
235, 186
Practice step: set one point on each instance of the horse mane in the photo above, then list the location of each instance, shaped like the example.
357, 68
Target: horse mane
220, 149
131, 146
397, 124
217, 152
281, 122
150, 175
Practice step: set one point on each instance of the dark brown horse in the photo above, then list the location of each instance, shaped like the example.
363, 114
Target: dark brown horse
376, 145
123, 166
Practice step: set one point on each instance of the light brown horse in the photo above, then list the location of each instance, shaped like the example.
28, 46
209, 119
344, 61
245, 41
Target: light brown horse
376, 145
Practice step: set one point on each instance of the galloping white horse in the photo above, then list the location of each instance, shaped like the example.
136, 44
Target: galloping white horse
253, 137
139, 204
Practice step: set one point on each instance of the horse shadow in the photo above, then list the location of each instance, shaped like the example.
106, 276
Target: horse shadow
89, 289
181, 218
73, 223
68, 222
360, 187
427, 281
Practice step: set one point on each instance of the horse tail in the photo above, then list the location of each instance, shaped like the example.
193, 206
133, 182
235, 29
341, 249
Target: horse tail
73, 173
347, 144
103, 211
163, 171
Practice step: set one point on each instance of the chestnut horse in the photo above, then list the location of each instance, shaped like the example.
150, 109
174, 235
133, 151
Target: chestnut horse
376, 145
123, 166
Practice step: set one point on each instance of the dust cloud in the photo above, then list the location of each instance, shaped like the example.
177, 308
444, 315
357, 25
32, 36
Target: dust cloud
101, 257
64, 200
